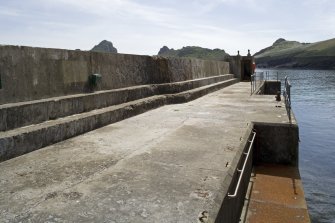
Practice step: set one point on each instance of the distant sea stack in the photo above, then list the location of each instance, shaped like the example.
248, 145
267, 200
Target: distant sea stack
194, 52
163, 50
293, 54
104, 46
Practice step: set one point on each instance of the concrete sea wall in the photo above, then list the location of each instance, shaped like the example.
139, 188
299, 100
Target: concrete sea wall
29, 73
277, 143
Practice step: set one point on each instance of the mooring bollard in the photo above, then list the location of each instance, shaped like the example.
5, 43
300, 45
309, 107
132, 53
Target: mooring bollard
278, 96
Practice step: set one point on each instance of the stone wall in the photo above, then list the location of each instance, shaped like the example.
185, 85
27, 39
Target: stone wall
29, 73
235, 66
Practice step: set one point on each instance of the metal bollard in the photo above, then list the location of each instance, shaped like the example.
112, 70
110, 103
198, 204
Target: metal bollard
278, 98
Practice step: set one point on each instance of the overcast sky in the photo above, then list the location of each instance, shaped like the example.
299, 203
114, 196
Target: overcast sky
143, 27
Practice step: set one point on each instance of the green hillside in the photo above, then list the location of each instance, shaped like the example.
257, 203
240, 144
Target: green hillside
292, 54
194, 52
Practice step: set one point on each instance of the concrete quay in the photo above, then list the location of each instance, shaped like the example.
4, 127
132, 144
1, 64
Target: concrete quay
172, 164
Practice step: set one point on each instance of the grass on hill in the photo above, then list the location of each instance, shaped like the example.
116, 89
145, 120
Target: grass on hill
194, 52
319, 55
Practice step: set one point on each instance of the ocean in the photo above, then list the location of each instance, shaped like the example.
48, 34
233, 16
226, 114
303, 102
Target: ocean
313, 103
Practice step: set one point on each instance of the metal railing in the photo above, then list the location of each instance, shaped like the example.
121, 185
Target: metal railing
257, 79
253, 83
287, 96
267, 74
241, 171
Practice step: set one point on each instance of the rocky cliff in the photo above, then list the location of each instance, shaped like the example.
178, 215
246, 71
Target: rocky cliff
105, 46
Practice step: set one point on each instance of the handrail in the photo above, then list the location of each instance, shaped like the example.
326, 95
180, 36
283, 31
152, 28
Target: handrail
256, 80
267, 75
253, 83
244, 164
287, 96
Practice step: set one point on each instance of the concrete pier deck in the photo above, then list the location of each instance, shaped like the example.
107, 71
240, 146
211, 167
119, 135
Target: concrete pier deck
171, 164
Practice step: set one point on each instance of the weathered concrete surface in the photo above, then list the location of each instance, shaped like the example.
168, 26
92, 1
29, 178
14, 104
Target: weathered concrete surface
34, 112
276, 143
29, 73
276, 195
29, 138
15, 115
171, 164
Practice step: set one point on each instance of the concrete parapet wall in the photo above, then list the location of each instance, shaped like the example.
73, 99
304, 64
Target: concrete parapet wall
277, 143
187, 69
272, 87
29, 73
235, 66
268, 87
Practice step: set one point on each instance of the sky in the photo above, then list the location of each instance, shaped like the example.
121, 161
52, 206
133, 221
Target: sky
143, 27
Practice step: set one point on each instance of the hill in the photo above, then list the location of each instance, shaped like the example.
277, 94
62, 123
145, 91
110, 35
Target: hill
293, 54
104, 46
194, 52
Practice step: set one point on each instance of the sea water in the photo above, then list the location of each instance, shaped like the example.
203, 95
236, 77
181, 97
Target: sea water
313, 104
